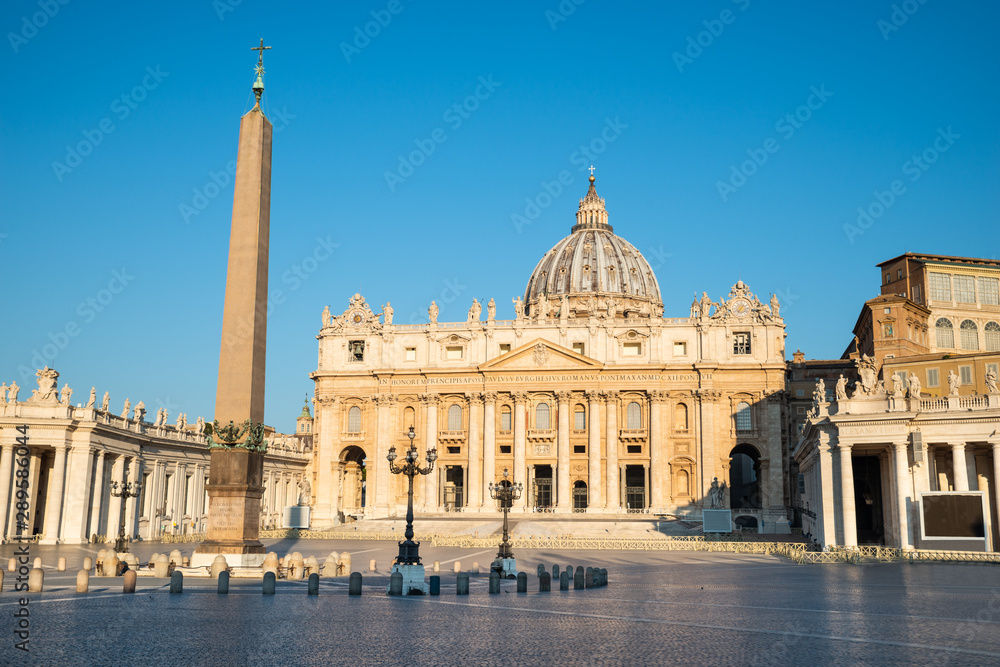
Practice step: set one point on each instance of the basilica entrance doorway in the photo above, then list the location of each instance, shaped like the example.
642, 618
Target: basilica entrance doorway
868, 499
744, 478
635, 488
541, 491
352, 481
579, 496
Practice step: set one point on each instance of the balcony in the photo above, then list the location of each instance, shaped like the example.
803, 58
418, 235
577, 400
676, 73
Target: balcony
632, 435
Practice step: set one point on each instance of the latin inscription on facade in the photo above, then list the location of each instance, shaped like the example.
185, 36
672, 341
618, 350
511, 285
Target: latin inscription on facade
543, 377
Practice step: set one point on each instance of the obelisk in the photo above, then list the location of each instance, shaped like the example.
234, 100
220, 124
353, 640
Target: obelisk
236, 472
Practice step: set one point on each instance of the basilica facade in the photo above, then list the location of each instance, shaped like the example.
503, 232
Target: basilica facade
590, 397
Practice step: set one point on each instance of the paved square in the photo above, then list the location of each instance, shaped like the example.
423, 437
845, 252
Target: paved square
659, 608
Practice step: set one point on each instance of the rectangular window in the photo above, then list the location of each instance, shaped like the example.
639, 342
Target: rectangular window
916, 294
801, 410
989, 291
579, 449
888, 278
453, 352
578, 348
802, 483
632, 349
899, 274
504, 348
505, 421
505, 449
932, 377
965, 289
411, 354
634, 449
965, 374
940, 287
356, 350
799, 393
741, 343
454, 450
680, 348
580, 420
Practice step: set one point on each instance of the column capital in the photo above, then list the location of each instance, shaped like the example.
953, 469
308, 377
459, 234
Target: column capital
490, 396
708, 395
325, 401
429, 399
520, 397
592, 395
475, 398
609, 396
563, 396
657, 396
957, 445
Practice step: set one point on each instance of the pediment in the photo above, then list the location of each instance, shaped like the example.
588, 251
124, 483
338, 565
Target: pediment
540, 354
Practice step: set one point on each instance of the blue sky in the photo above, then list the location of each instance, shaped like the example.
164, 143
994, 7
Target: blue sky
731, 140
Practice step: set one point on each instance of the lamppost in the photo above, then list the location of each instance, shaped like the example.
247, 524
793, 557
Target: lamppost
125, 490
408, 560
506, 492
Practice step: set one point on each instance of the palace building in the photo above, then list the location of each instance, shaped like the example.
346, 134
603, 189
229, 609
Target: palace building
590, 396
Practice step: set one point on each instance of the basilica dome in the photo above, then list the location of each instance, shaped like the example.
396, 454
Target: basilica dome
593, 272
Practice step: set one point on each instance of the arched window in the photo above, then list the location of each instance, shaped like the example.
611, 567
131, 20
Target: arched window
542, 416
580, 418
633, 416
969, 334
505, 418
743, 417
681, 417
945, 333
992, 330
409, 417
354, 419
455, 418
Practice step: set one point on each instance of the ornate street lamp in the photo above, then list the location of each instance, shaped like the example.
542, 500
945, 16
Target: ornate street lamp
408, 560
506, 492
125, 490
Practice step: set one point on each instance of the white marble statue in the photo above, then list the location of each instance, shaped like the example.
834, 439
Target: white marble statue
914, 383
819, 394
518, 308
387, 312
105, 401
543, 307
92, 398
491, 310
199, 426
140, 411
775, 306
13, 390
475, 311
67, 394
326, 316
432, 313
954, 382
841, 387
305, 492
717, 494
127, 409
991, 381
897, 386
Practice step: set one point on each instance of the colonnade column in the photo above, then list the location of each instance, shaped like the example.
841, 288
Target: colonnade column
656, 463
383, 440
613, 495
829, 527
520, 472
960, 466
904, 486
489, 444
132, 506
430, 481
6, 468
563, 497
326, 481
114, 502
54, 497
594, 495
848, 512
77, 494
996, 483
475, 471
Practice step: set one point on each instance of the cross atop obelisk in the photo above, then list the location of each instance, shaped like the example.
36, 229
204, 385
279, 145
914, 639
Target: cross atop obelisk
258, 84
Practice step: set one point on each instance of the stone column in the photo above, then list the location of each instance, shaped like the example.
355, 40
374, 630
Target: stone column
904, 486
6, 470
99, 487
77, 495
564, 502
594, 451
383, 440
114, 502
132, 506
474, 472
612, 492
489, 447
54, 498
848, 512
707, 399
326, 507
825, 492
430, 481
520, 436
960, 466
656, 457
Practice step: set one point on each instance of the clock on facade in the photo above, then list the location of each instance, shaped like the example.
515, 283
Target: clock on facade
740, 307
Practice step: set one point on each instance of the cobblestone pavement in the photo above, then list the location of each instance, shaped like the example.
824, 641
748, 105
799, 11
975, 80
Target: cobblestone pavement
659, 608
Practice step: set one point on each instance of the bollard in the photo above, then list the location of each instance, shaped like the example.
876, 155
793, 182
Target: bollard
522, 582
314, 583
294, 568
344, 565
219, 565
494, 582
475, 567
223, 586
1, 580
435, 585
396, 583
354, 584
312, 566
569, 568
588, 578
83, 581
462, 584
544, 583
61, 564
330, 566
128, 582
269, 583
110, 566
564, 580
541, 569
371, 565
177, 582
555, 572
458, 566
176, 559
437, 566
271, 563
161, 568
88, 563
12, 565
578, 578
38, 563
